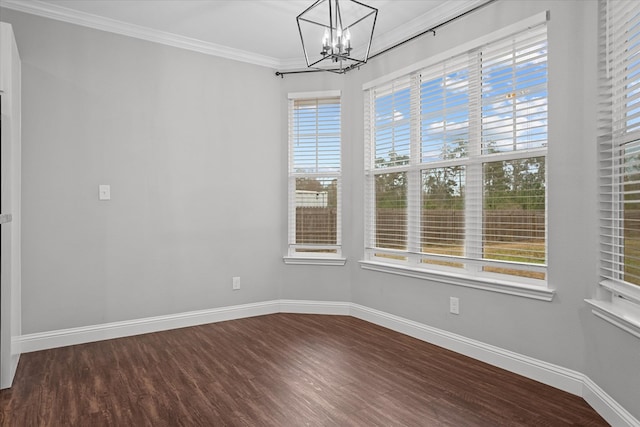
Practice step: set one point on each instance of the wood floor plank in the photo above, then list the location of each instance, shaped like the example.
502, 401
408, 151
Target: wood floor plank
277, 370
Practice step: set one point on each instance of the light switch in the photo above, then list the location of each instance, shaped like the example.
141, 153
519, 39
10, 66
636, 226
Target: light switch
104, 192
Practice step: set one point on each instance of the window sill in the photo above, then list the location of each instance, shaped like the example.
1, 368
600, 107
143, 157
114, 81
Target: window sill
314, 261
493, 285
615, 315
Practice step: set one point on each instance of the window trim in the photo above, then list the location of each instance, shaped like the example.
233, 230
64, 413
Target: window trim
516, 27
521, 286
615, 301
315, 260
487, 283
299, 258
616, 315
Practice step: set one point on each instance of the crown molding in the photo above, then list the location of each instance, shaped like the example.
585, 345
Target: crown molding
412, 28
381, 42
52, 11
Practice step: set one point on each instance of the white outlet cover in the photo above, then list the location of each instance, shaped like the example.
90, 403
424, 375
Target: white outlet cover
454, 305
104, 192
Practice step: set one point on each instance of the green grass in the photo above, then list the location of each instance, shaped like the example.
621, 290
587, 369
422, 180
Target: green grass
529, 252
632, 260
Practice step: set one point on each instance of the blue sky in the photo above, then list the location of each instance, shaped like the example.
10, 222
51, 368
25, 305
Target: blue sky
513, 107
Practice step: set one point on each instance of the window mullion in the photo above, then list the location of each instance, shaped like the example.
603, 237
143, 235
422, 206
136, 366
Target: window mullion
617, 210
414, 185
369, 184
474, 178
514, 104
292, 210
291, 182
617, 173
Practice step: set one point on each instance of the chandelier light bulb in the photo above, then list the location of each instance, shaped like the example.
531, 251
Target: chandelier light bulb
347, 38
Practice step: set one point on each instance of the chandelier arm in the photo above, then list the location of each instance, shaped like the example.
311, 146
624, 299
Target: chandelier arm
364, 5
330, 28
375, 18
311, 22
338, 16
363, 18
304, 49
317, 2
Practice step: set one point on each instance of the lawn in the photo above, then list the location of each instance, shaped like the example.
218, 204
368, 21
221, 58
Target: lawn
529, 252
632, 260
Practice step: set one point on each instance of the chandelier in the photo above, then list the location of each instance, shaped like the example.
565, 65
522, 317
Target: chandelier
336, 35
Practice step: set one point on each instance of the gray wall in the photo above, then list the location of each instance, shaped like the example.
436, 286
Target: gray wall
190, 145
168, 129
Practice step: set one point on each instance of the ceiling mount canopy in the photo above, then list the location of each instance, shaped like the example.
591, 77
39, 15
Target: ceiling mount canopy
336, 34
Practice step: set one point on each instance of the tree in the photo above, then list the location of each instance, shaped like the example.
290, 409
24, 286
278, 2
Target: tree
391, 188
332, 190
443, 188
514, 184
309, 184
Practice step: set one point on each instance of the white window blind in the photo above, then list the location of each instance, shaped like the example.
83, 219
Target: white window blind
455, 165
390, 160
314, 175
514, 131
444, 145
619, 141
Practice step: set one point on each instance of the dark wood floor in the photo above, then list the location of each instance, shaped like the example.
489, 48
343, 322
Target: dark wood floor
277, 370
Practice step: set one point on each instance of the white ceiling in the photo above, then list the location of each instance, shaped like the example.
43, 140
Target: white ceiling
257, 31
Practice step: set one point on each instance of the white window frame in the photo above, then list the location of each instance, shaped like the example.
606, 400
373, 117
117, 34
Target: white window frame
411, 264
294, 255
616, 301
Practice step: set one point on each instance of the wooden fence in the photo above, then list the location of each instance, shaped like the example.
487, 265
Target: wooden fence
318, 225
440, 226
632, 223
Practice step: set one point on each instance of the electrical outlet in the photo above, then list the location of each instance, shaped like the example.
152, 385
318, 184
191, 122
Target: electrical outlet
104, 192
236, 283
454, 305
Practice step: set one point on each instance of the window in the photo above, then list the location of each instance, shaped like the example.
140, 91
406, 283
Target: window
619, 143
314, 178
455, 164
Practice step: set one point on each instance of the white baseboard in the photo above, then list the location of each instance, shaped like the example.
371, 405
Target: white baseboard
556, 376
64, 337
13, 365
606, 406
547, 373
315, 307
